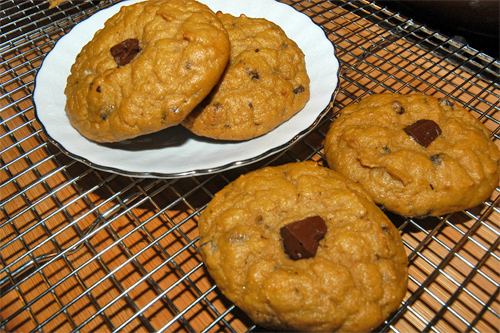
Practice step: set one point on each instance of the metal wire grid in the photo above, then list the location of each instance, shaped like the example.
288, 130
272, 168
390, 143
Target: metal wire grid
138, 269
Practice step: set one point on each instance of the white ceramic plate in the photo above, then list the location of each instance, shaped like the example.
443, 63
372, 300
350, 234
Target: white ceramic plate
175, 152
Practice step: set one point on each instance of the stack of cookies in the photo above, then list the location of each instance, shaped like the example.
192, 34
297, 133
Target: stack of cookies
161, 63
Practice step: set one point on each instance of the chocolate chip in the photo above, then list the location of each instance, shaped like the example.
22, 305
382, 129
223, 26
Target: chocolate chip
436, 158
254, 75
250, 105
299, 89
398, 107
99, 89
300, 239
386, 149
104, 114
424, 131
446, 102
124, 52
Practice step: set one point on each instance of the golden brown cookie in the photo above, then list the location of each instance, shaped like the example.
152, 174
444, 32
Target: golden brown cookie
416, 155
357, 276
146, 69
264, 85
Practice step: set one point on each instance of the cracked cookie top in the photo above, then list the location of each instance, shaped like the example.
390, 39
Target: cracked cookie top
299, 247
264, 85
415, 154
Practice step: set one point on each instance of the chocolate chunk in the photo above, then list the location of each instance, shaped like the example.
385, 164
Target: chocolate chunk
299, 89
124, 52
300, 239
424, 131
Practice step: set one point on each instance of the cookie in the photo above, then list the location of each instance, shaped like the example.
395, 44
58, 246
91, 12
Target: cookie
415, 154
257, 240
264, 85
146, 69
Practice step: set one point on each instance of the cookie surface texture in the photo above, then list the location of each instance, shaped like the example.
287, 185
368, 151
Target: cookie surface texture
357, 277
182, 51
264, 85
377, 143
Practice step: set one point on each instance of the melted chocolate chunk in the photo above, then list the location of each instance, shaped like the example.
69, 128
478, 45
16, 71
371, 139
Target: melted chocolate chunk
124, 52
424, 131
299, 89
300, 239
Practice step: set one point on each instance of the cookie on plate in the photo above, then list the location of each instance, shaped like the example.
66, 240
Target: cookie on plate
415, 154
264, 85
299, 247
150, 65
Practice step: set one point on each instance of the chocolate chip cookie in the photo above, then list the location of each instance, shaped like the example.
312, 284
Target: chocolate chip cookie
150, 65
264, 85
415, 154
299, 247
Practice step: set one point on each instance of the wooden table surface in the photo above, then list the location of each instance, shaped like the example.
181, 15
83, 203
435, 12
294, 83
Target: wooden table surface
140, 270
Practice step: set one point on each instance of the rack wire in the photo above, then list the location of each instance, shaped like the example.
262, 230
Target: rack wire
87, 250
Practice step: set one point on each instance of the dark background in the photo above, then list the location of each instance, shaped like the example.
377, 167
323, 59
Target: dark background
472, 22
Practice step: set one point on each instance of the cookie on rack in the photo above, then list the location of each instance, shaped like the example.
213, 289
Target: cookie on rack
150, 65
299, 247
264, 85
415, 154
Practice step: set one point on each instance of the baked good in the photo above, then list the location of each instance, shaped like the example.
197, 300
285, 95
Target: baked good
350, 281
264, 85
415, 154
146, 69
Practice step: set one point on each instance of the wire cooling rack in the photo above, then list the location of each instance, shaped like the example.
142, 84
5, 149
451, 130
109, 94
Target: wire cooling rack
86, 250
